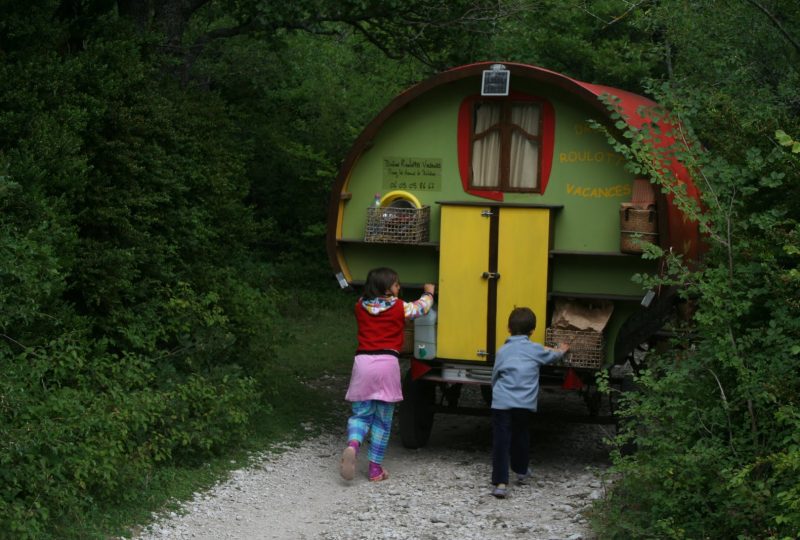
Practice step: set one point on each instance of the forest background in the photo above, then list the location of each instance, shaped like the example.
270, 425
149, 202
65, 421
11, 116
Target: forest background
164, 174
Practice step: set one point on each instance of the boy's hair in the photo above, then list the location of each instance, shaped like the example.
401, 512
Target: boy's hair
522, 321
379, 280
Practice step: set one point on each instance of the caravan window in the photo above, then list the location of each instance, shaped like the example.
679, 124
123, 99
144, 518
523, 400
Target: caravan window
505, 146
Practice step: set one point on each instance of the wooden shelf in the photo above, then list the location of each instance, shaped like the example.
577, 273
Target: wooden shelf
362, 241
568, 253
500, 204
405, 285
594, 296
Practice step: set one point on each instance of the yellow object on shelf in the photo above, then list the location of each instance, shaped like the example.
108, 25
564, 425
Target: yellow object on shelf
397, 196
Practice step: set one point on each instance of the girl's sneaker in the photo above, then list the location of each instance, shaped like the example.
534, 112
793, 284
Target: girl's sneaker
377, 473
347, 468
380, 477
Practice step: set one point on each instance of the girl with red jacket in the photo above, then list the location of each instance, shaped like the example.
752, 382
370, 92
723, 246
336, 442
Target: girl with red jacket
375, 384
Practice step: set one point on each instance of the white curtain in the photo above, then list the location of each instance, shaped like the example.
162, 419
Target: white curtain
486, 150
524, 166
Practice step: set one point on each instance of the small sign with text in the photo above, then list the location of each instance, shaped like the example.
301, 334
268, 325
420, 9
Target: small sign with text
413, 174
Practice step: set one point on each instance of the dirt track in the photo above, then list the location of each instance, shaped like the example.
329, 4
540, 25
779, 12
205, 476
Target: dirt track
440, 490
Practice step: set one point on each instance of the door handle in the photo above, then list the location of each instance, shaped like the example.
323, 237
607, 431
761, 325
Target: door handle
491, 275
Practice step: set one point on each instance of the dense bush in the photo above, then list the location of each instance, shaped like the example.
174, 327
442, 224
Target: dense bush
716, 420
151, 209
82, 427
136, 323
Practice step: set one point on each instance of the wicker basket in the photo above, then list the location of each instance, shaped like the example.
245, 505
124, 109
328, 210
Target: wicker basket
397, 225
638, 226
635, 219
633, 242
585, 346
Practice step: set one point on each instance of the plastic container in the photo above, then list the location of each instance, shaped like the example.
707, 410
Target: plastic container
400, 196
425, 336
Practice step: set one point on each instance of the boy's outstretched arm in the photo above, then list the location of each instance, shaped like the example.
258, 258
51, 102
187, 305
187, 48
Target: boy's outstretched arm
562, 348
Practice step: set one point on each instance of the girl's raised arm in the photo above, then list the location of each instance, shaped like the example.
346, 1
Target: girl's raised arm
420, 307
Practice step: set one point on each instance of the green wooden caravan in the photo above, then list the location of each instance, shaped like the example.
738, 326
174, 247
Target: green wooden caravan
488, 180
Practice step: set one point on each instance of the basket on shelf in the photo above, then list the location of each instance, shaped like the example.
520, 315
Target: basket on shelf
396, 225
585, 346
638, 226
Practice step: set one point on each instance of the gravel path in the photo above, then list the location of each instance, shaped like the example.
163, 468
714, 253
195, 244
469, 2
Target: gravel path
438, 491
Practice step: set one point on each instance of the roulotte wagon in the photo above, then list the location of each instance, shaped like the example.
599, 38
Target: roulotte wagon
488, 180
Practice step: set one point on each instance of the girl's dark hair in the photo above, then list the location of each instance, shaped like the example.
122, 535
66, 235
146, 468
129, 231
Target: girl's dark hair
379, 280
522, 321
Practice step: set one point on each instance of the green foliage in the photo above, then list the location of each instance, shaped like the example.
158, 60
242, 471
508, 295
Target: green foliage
150, 206
612, 42
431, 31
301, 103
83, 426
136, 326
711, 459
786, 140
716, 419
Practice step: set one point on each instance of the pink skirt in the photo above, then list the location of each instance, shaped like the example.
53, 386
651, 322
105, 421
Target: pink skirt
375, 376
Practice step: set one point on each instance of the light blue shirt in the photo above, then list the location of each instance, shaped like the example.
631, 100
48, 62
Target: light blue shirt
515, 376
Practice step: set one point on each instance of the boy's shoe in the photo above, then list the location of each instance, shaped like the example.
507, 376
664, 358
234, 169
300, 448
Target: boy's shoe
500, 491
522, 479
347, 468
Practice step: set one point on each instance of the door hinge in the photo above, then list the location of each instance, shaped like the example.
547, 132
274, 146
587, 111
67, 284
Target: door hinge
490, 275
487, 213
481, 352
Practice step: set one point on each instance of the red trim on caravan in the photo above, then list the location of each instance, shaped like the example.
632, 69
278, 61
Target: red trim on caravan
465, 151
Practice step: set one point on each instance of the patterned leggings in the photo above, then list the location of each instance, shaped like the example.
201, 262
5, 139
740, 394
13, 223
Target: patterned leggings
373, 417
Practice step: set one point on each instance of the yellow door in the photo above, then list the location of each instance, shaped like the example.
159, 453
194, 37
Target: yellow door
491, 260
523, 245
463, 256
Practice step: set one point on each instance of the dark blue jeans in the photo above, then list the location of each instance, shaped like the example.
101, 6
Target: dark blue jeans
510, 443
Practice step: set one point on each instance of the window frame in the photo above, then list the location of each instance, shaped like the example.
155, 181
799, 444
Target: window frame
466, 137
506, 127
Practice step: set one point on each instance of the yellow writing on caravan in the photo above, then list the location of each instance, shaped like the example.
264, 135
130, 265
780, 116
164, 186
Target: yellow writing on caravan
586, 156
618, 190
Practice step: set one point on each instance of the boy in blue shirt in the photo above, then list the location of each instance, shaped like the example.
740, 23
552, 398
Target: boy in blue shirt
515, 393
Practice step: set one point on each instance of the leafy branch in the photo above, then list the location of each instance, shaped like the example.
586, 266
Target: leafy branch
787, 141
415, 28
648, 153
630, 7
777, 23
